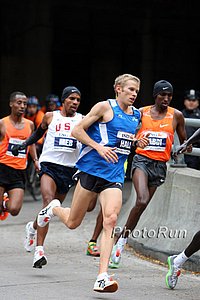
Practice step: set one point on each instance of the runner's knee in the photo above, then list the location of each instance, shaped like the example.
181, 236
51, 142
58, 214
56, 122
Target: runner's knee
91, 206
73, 224
14, 211
110, 221
141, 204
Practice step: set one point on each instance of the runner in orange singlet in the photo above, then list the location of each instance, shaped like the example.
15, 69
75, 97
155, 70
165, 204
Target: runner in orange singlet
149, 164
14, 130
34, 114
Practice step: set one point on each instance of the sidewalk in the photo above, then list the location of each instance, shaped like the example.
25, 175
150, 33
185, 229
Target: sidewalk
70, 273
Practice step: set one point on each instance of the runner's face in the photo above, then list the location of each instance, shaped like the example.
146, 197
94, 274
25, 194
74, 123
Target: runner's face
32, 109
19, 105
128, 93
51, 106
71, 104
163, 100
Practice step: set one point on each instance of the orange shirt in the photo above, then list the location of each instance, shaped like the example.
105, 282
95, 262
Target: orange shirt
161, 135
12, 137
37, 119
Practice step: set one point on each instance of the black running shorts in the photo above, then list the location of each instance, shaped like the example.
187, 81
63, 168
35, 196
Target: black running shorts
94, 183
154, 169
11, 178
61, 175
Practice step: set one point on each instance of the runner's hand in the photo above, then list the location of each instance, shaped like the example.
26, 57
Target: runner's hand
16, 148
183, 148
108, 153
143, 142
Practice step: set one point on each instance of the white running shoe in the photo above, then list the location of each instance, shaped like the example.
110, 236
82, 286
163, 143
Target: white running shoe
174, 272
46, 214
105, 285
115, 257
29, 242
39, 259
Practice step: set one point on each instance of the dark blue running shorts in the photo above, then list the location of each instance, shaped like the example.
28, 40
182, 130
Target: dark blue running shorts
62, 175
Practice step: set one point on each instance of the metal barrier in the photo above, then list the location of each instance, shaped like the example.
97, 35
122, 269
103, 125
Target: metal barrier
194, 123
195, 151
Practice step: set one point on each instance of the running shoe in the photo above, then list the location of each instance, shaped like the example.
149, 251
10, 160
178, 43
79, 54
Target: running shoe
105, 285
29, 242
4, 214
173, 273
46, 214
39, 259
115, 258
93, 249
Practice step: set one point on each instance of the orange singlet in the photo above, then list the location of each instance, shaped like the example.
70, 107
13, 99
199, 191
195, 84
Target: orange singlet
37, 120
161, 135
13, 137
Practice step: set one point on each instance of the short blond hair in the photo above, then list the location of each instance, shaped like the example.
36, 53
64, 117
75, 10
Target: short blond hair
122, 79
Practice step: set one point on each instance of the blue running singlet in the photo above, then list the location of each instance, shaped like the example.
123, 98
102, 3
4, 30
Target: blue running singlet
116, 133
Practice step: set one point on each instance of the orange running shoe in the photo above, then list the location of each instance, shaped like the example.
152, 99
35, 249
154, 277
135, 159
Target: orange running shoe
4, 214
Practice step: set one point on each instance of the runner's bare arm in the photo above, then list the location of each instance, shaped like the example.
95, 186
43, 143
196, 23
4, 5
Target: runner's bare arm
180, 129
180, 126
2, 130
101, 111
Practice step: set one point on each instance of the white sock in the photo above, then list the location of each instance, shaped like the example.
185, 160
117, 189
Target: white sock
4, 204
121, 243
39, 248
56, 203
180, 259
102, 275
31, 228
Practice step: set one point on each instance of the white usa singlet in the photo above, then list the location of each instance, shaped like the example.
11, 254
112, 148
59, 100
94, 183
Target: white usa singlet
59, 146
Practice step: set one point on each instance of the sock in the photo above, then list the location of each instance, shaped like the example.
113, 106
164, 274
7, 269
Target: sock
5, 199
102, 275
93, 241
39, 248
4, 204
180, 259
56, 203
31, 228
121, 243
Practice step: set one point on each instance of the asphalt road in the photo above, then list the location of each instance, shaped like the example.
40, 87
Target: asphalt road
70, 273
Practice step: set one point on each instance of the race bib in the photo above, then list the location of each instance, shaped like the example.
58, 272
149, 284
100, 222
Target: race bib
67, 144
157, 141
124, 142
12, 142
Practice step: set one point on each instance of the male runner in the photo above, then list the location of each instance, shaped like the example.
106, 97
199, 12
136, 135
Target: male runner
14, 130
57, 162
107, 134
149, 168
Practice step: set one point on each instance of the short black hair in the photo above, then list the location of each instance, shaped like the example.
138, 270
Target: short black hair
14, 94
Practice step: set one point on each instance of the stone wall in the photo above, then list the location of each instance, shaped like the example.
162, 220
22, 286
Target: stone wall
170, 220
